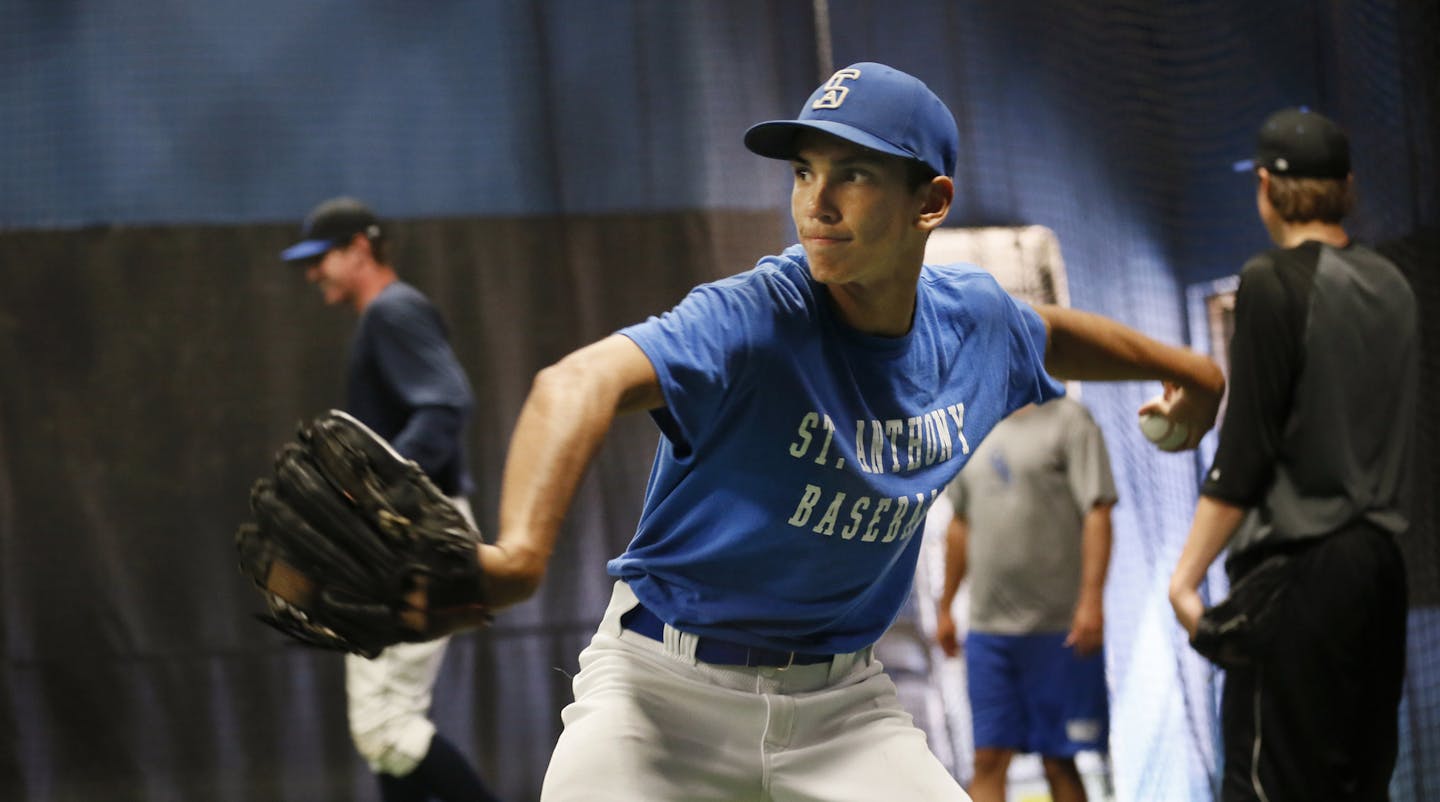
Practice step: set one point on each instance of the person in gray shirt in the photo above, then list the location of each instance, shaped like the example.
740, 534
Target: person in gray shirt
1308, 489
1032, 531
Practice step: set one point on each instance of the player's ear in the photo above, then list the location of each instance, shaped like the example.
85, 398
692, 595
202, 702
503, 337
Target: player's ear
938, 195
362, 243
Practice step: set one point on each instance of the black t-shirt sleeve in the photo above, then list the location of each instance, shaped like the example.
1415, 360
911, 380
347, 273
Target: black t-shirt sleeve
1265, 357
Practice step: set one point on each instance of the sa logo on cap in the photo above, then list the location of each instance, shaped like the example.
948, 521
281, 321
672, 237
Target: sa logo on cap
835, 89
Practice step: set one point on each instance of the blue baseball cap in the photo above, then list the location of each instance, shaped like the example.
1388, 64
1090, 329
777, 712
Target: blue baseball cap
1299, 143
874, 106
331, 225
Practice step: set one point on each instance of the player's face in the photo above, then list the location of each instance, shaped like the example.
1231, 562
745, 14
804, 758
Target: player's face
334, 274
855, 212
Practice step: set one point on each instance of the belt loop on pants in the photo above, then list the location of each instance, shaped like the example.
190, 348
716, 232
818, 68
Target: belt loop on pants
639, 619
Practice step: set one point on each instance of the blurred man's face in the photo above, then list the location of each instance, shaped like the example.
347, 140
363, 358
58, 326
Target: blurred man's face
334, 273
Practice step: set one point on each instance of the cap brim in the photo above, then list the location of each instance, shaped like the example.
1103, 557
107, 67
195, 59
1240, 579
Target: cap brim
305, 250
775, 139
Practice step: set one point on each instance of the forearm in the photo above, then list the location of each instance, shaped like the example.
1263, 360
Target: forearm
956, 542
1087, 346
561, 427
1095, 542
555, 439
431, 437
1215, 523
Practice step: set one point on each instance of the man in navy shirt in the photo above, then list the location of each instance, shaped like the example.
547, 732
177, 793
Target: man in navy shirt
404, 382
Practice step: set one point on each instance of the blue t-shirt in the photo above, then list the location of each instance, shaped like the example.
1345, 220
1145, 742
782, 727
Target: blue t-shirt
799, 456
404, 381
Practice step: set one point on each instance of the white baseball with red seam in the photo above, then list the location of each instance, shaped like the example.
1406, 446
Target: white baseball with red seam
1166, 434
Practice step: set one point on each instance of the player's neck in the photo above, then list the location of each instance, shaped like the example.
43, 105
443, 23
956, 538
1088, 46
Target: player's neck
1292, 234
882, 312
371, 284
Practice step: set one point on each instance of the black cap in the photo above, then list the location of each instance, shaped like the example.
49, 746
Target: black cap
1299, 143
330, 225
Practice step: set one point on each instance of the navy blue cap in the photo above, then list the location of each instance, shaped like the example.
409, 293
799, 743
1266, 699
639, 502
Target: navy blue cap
874, 106
1299, 143
331, 225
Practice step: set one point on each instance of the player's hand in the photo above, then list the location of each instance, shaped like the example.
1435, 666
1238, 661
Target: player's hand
1087, 630
945, 633
434, 623
1188, 607
1195, 409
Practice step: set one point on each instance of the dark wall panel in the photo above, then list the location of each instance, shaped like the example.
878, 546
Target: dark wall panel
149, 375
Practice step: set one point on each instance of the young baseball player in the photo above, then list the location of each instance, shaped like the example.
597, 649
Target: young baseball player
403, 381
811, 409
1311, 479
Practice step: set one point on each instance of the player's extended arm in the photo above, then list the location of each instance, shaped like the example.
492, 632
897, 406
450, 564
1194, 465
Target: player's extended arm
957, 537
571, 407
1083, 345
1087, 629
1215, 523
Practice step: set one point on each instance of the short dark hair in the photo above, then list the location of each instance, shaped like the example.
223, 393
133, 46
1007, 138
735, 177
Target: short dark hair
377, 249
377, 242
1301, 200
918, 174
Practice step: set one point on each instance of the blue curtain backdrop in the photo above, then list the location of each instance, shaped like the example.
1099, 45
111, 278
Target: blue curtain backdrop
561, 168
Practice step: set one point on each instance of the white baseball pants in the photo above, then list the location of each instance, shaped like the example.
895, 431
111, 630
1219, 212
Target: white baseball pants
388, 698
651, 723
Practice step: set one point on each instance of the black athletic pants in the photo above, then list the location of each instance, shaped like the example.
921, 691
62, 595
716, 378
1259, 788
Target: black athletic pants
1316, 718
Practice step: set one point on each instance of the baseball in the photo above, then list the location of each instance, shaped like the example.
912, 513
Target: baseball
1164, 433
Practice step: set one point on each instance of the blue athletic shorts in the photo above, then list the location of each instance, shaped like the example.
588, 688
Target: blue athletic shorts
1032, 694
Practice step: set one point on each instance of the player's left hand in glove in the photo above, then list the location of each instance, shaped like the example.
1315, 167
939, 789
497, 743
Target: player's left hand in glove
354, 548
1233, 633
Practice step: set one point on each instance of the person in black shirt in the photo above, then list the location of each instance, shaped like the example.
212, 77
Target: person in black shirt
1311, 479
404, 382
